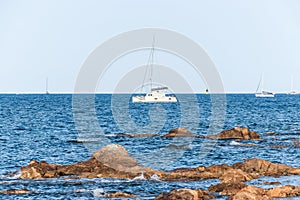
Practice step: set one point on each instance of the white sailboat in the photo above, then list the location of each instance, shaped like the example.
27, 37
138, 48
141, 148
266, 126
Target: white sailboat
47, 92
158, 94
263, 93
292, 91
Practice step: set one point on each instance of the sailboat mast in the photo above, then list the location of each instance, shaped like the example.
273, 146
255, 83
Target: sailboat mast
262, 83
149, 66
258, 85
47, 86
292, 82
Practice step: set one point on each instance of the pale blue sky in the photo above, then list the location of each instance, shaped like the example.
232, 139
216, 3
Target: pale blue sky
52, 38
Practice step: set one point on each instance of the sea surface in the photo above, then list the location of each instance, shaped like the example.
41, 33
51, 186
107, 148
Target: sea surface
49, 128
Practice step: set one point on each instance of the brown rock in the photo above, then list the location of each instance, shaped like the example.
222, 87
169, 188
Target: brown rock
115, 156
265, 168
284, 191
183, 174
37, 169
15, 191
235, 175
241, 133
250, 193
185, 194
121, 195
178, 132
297, 143
216, 171
227, 188
294, 171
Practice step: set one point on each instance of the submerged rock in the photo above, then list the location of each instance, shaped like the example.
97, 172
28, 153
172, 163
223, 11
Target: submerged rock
185, 194
121, 195
133, 135
15, 191
178, 132
272, 183
241, 133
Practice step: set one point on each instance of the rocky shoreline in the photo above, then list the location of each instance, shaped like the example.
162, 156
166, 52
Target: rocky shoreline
113, 161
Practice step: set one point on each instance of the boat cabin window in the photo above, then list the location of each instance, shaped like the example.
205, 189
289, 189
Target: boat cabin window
149, 94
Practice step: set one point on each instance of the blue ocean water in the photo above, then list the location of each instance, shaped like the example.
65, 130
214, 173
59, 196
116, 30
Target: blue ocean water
42, 127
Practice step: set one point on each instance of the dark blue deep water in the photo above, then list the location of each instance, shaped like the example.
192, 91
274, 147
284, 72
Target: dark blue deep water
42, 127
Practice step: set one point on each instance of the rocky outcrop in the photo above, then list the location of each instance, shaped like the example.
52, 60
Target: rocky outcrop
239, 172
113, 161
185, 194
227, 188
235, 176
15, 191
178, 132
251, 193
263, 167
284, 191
37, 170
241, 133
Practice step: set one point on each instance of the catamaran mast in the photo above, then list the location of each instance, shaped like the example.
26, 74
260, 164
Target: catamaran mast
151, 62
149, 66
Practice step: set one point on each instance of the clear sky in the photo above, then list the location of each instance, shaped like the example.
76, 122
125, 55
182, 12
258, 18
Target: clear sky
52, 38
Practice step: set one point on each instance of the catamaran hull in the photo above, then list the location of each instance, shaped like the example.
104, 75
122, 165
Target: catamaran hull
143, 99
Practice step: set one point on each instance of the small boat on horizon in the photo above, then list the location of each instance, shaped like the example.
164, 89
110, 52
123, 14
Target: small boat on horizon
292, 91
47, 92
263, 93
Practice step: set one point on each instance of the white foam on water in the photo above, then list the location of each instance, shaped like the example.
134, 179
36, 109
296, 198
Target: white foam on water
155, 177
110, 135
11, 176
234, 143
113, 180
98, 192
139, 178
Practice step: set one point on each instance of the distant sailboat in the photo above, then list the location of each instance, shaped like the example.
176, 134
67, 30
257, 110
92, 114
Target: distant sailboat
263, 93
47, 92
292, 91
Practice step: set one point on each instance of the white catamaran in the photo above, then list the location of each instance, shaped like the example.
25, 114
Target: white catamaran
157, 94
263, 93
